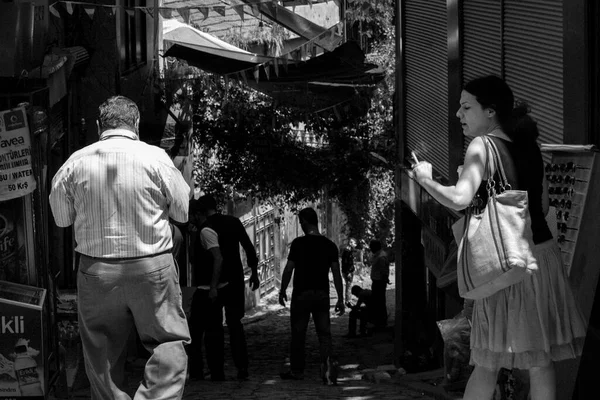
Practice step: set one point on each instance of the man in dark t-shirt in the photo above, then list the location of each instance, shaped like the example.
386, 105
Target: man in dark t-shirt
311, 258
232, 235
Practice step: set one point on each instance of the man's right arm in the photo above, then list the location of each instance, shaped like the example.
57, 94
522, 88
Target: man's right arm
61, 202
210, 241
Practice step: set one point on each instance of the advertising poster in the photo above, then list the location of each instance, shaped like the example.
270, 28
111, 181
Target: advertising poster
13, 256
16, 172
22, 363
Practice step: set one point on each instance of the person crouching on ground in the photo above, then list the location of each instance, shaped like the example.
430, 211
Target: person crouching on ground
360, 312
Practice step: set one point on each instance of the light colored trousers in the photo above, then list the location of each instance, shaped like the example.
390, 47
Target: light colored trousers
113, 296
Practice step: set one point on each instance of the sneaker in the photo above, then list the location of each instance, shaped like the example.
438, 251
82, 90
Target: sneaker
242, 374
291, 376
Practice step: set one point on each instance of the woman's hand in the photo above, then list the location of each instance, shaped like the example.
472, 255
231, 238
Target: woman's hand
422, 170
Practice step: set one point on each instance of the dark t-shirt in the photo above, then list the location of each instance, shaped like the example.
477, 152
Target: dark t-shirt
524, 168
312, 256
232, 234
347, 260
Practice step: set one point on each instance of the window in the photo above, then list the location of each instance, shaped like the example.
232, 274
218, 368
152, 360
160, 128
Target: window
132, 35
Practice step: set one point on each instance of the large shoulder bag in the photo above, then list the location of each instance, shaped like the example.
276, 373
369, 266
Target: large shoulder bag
496, 247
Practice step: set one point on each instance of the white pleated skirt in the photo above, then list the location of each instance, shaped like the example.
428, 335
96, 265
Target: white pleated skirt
531, 323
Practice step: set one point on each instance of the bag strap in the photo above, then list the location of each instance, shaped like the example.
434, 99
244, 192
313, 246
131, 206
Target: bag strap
498, 162
490, 162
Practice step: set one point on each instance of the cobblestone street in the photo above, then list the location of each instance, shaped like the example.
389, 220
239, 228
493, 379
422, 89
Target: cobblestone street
268, 334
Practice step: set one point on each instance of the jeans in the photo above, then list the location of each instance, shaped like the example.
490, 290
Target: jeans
206, 322
378, 288
362, 314
113, 297
315, 302
234, 301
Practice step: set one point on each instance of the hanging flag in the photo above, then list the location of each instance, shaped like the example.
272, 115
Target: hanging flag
256, 73
185, 14
166, 13
255, 10
204, 12
69, 7
276, 66
285, 63
89, 11
130, 12
54, 11
244, 78
267, 70
149, 11
337, 113
240, 10
219, 10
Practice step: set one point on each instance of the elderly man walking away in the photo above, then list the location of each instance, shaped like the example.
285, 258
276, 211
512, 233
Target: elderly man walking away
119, 194
311, 258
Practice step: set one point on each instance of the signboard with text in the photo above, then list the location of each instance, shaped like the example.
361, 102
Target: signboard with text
16, 171
23, 373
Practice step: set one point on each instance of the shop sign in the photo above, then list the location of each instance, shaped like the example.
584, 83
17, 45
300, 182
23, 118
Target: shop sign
16, 172
22, 353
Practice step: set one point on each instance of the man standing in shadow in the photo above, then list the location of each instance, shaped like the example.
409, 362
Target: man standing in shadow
232, 234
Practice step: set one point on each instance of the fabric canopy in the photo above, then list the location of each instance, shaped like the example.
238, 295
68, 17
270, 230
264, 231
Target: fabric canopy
206, 51
332, 78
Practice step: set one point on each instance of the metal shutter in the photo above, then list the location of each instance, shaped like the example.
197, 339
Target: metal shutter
482, 41
426, 55
533, 57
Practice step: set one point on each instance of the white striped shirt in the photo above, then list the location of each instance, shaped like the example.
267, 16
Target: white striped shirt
119, 193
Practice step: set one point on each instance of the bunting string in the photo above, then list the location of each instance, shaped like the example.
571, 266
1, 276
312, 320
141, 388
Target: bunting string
220, 9
297, 54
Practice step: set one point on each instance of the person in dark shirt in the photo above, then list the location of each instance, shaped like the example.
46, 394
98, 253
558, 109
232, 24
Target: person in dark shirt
360, 312
311, 258
380, 272
206, 320
348, 267
232, 234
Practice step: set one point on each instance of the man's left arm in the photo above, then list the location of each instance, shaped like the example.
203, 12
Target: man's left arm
250, 255
177, 190
337, 282
286, 277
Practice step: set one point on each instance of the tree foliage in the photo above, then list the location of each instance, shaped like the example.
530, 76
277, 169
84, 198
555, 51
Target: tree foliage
249, 146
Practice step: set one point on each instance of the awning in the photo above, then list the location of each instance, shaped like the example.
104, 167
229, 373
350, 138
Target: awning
206, 51
339, 77
301, 26
332, 78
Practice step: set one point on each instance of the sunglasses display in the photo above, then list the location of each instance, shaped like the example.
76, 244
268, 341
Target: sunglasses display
569, 177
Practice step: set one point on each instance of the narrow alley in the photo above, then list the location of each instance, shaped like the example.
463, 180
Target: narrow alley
366, 363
